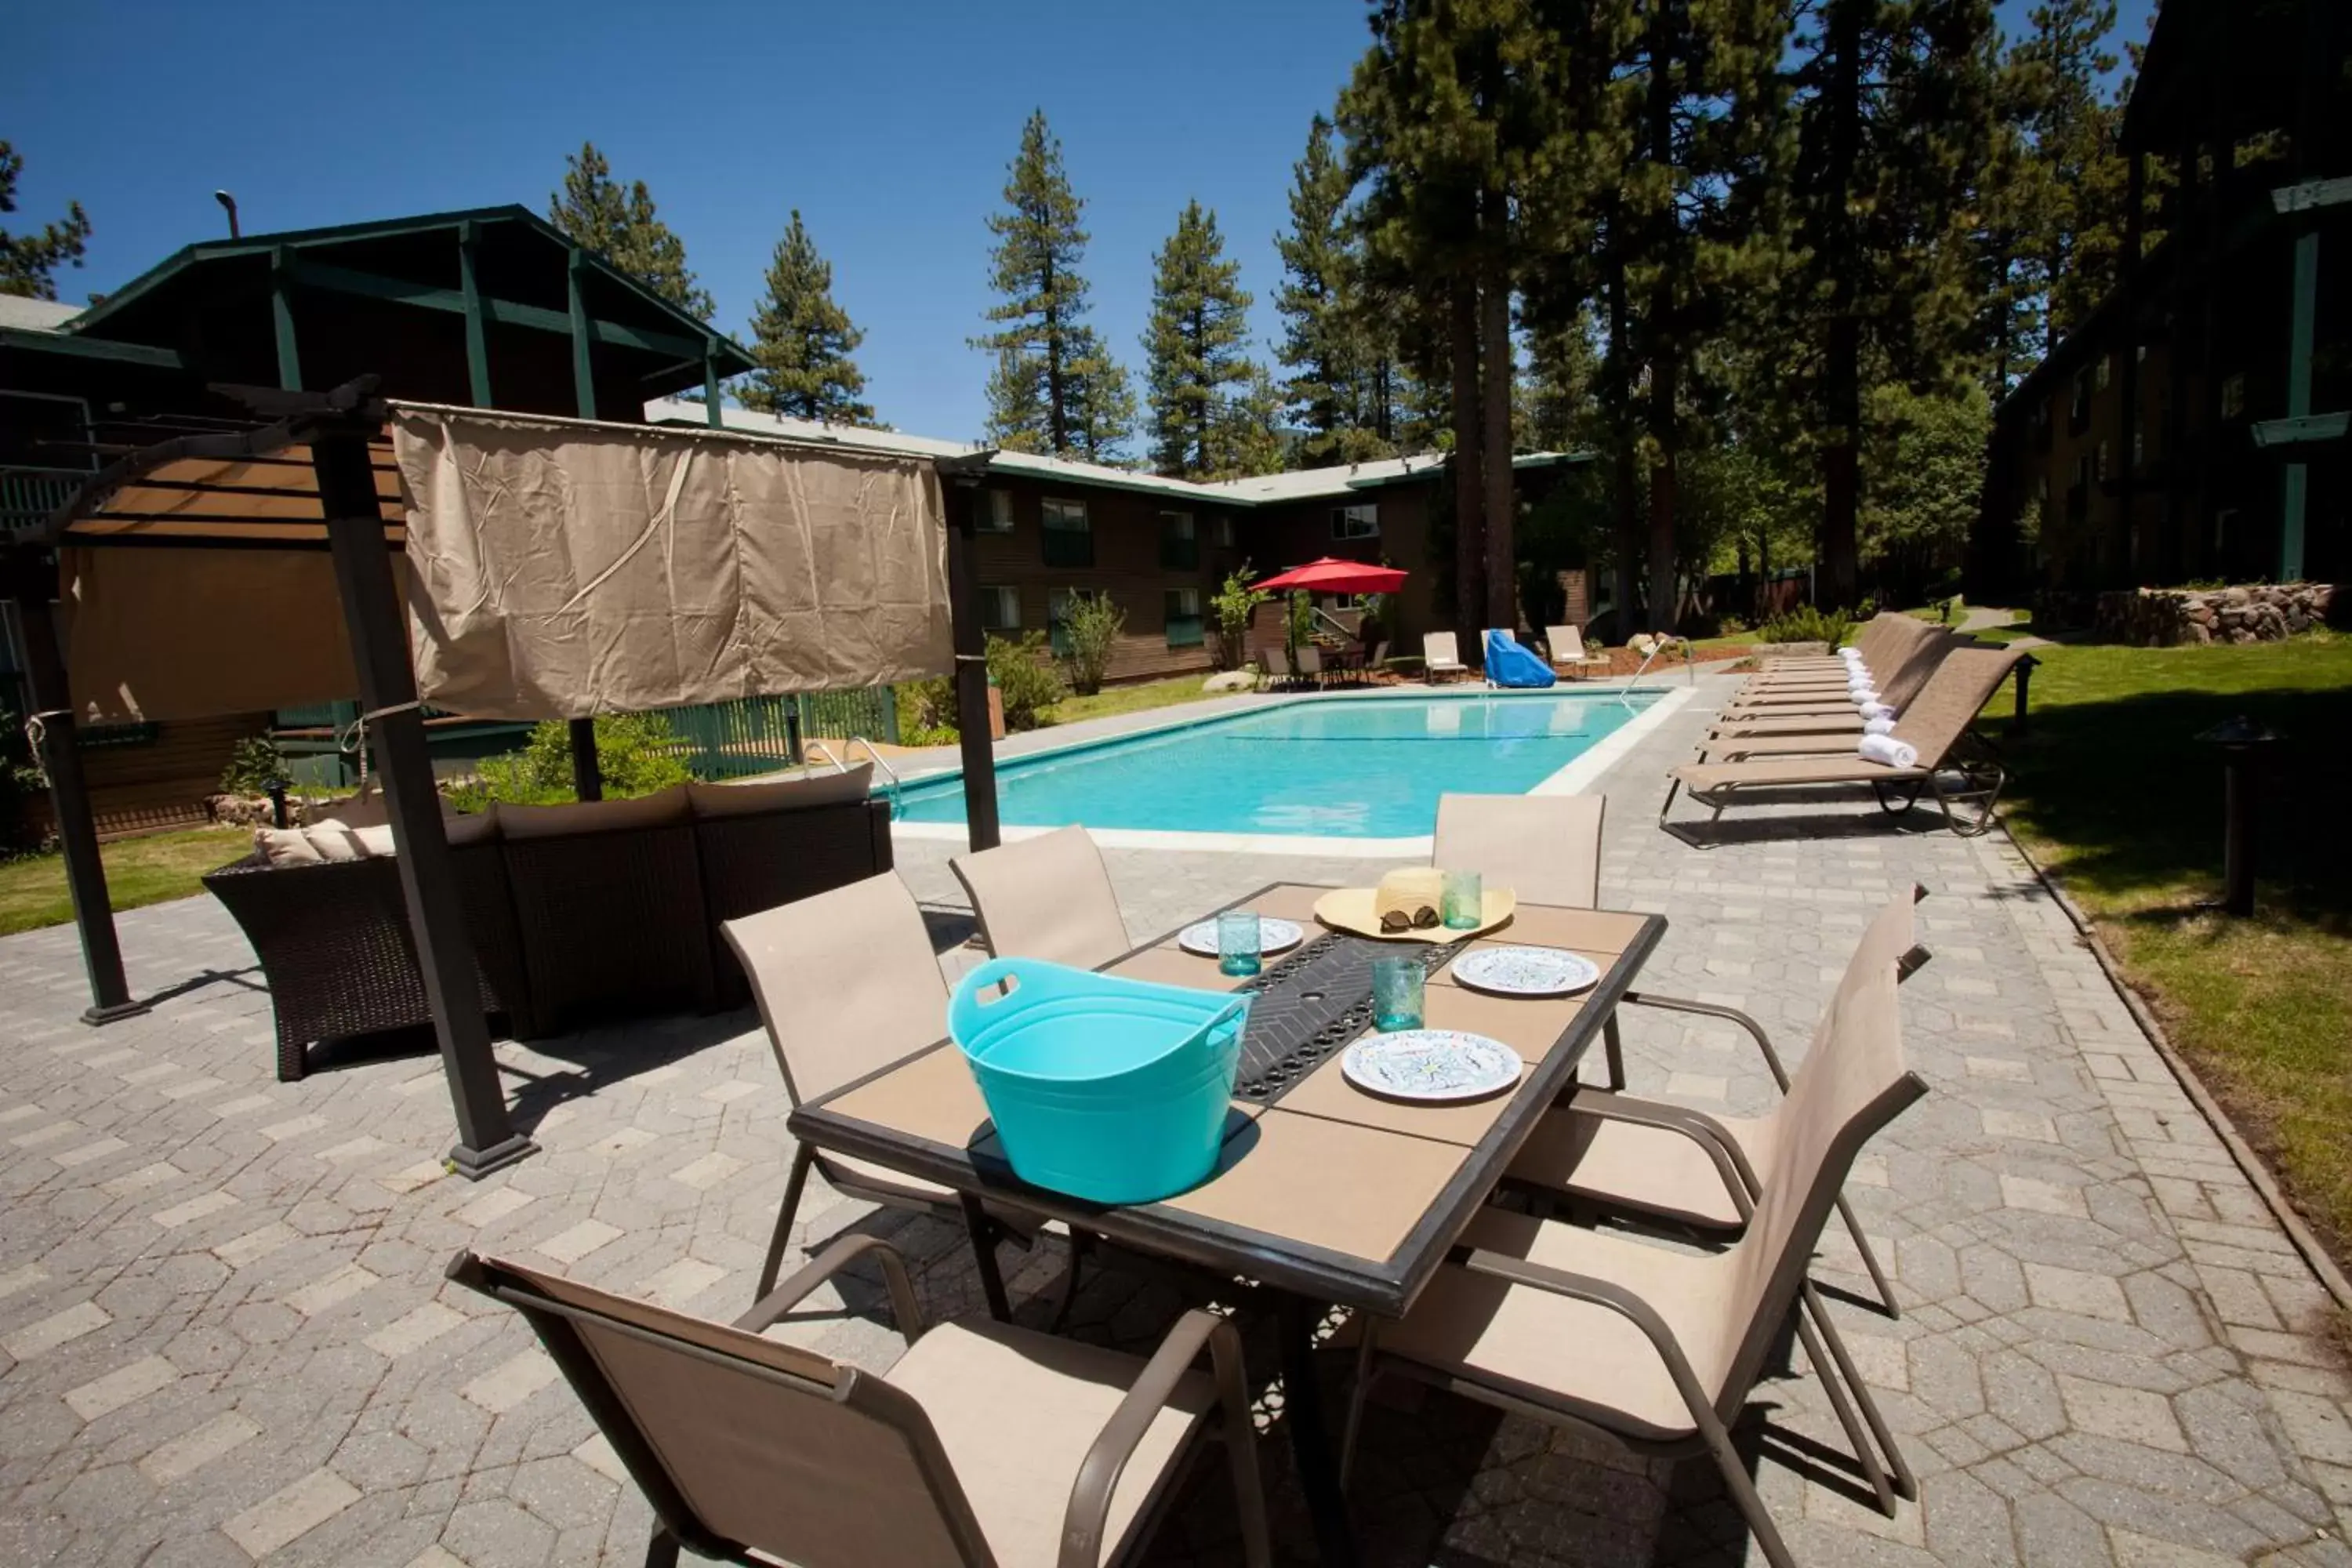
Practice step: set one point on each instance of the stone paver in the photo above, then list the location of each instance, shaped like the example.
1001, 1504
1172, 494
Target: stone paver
227, 1335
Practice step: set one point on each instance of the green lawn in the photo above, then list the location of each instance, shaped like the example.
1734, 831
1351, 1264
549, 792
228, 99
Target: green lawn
149, 870
1137, 698
2113, 791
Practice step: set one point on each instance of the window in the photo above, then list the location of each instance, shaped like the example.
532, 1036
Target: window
1184, 624
1179, 550
996, 515
2105, 369
1000, 609
2041, 494
1057, 612
1359, 521
2079, 415
1220, 530
1069, 537
2139, 447
2234, 395
2105, 470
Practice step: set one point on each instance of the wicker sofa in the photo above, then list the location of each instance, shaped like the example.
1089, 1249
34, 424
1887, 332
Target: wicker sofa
577, 913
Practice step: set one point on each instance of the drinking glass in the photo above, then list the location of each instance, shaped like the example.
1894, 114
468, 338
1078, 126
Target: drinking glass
1237, 941
1396, 994
1465, 901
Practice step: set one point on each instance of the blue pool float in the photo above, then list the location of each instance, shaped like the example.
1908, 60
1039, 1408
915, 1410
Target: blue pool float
1108, 1089
1508, 664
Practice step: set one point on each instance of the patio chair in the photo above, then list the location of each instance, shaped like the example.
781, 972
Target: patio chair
1544, 847
1836, 714
1883, 634
847, 982
1636, 1156
1049, 897
1660, 1349
1278, 670
1936, 725
983, 1445
1311, 664
1565, 646
1439, 656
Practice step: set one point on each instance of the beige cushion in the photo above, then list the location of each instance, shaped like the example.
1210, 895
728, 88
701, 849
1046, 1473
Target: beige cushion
285, 847
791, 791
467, 827
1575, 1355
664, 808
1016, 1412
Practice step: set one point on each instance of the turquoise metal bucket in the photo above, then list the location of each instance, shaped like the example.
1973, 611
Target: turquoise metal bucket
1108, 1089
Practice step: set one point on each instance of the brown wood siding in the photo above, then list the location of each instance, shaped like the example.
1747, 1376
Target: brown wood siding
1126, 528
1292, 535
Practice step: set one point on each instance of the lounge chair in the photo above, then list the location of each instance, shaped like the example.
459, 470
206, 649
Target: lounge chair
1636, 1156
1565, 644
1891, 650
1440, 657
1544, 847
1049, 897
1835, 713
1936, 725
1883, 634
1660, 1349
848, 982
983, 1445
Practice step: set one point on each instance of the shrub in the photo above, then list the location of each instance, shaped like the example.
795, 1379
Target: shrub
636, 753
1731, 627
20, 780
254, 767
1090, 624
927, 712
1806, 624
1029, 685
1299, 615
1233, 605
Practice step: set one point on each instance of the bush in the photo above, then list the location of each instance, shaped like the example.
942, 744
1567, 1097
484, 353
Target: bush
1731, 627
636, 753
1233, 605
1090, 624
1300, 619
20, 780
927, 712
254, 768
1806, 624
1027, 683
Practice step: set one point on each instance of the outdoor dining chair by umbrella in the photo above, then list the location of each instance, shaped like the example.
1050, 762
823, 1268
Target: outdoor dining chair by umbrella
1642, 1157
1936, 725
1660, 1349
848, 982
1049, 897
983, 1445
1544, 847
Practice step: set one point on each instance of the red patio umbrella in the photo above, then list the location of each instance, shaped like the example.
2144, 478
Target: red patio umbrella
1333, 575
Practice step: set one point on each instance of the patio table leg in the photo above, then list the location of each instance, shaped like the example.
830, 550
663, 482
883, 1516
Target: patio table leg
983, 1254
1310, 1438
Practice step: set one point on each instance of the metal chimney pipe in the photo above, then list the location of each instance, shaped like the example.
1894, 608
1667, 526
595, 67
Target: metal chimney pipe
229, 203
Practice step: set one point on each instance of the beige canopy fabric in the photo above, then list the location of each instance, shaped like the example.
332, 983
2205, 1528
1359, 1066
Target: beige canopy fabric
565, 568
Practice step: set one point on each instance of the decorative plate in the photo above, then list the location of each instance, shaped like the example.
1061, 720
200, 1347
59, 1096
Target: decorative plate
1526, 971
1350, 910
1431, 1065
1273, 936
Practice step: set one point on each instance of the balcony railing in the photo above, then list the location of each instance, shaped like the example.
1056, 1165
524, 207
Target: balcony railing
28, 496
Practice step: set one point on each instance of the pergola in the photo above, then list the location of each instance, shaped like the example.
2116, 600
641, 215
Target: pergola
256, 568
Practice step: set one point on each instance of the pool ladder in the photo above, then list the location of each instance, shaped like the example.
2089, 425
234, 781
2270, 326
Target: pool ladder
1690, 672
889, 793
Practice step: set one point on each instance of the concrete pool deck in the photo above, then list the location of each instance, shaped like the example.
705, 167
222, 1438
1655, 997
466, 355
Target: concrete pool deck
227, 1338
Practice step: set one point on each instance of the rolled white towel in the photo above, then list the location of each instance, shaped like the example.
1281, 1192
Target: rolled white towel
1876, 711
1849, 653
1857, 674
1878, 726
1863, 696
1886, 749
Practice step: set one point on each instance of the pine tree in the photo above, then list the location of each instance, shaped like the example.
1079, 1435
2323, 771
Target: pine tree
620, 224
28, 262
803, 340
1250, 439
1055, 388
1199, 319
2073, 179
1336, 342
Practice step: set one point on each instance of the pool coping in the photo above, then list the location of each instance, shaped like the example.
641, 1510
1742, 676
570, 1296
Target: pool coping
1575, 777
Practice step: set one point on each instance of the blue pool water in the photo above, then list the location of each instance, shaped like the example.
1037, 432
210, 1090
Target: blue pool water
1347, 769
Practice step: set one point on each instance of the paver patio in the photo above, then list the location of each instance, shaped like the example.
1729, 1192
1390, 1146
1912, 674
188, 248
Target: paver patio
227, 1337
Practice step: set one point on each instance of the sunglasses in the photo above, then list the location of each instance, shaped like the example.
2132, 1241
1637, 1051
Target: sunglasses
1422, 919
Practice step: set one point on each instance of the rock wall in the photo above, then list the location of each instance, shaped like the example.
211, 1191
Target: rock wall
2260, 611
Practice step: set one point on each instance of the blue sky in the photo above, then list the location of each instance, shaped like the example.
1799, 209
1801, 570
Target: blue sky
888, 125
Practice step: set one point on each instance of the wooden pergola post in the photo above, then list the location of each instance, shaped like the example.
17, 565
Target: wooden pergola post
960, 479
587, 778
76, 828
486, 1140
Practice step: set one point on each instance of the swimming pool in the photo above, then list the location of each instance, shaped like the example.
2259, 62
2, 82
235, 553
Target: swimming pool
1346, 768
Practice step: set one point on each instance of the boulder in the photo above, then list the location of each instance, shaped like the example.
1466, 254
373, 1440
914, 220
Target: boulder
1230, 680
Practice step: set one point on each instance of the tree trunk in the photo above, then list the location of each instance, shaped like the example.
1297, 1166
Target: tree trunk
1469, 517
1628, 511
1496, 367
1663, 377
1659, 330
1057, 412
1841, 367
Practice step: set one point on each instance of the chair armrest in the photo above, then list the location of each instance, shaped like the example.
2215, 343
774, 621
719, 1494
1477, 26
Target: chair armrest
1711, 1010
1083, 1522
823, 1267
1600, 1293
1739, 1178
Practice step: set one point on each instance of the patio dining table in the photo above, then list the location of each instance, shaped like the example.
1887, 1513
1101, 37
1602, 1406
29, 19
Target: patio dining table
1323, 1195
